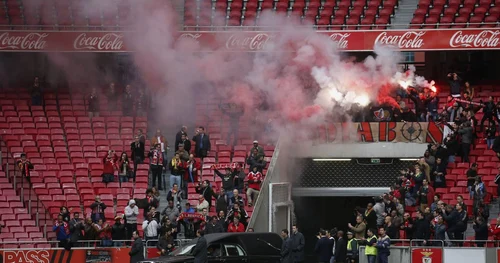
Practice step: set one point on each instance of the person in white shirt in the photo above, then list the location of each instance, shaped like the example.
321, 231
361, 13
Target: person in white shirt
203, 204
131, 213
150, 227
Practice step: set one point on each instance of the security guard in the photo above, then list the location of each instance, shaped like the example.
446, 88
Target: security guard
371, 246
352, 248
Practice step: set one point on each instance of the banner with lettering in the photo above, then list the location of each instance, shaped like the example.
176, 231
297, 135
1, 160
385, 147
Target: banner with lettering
75, 255
363, 132
253, 41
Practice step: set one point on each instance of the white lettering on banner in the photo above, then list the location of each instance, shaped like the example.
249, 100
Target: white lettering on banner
257, 42
411, 40
485, 38
30, 41
189, 35
109, 41
340, 40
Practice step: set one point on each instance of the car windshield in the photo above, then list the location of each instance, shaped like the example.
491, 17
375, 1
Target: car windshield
183, 251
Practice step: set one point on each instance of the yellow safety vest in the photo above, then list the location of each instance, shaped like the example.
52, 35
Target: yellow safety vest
349, 245
371, 250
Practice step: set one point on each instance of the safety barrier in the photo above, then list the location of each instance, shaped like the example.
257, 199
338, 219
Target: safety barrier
439, 251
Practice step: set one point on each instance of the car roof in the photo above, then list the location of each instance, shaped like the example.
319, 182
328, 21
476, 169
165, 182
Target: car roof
254, 243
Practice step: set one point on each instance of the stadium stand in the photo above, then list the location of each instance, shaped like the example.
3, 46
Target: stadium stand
343, 14
456, 14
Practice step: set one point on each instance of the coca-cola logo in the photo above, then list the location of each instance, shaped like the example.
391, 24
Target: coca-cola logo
483, 39
341, 40
402, 40
245, 42
29, 41
194, 36
108, 41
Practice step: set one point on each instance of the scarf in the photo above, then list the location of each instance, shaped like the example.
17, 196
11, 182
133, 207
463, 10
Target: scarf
157, 157
175, 163
65, 226
225, 165
24, 167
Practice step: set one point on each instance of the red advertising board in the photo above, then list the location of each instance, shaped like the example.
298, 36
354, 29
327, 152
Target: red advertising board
76, 255
427, 255
354, 40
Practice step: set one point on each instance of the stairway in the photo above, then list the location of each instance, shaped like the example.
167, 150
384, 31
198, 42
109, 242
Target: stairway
178, 5
404, 14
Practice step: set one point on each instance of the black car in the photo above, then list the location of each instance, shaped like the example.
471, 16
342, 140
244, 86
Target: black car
231, 248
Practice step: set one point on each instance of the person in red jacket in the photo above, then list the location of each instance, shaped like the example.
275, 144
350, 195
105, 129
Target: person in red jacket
109, 165
254, 179
236, 226
495, 230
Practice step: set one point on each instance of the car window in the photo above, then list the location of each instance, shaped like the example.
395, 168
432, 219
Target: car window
214, 250
232, 250
186, 250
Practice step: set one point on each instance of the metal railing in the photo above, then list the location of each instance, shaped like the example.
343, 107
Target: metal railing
440, 26
29, 199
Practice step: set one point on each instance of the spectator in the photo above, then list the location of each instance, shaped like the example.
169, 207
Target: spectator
429, 159
193, 170
36, 92
426, 195
479, 192
104, 233
160, 139
131, 213
466, 131
438, 174
490, 111
166, 243
432, 107
407, 225
257, 147
175, 196
454, 81
127, 101
155, 215
171, 212
495, 230
178, 137
142, 136
418, 179
383, 244
98, 208
490, 134
141, 103
63, 233
109, 165
323, 248
185, 143
422, 228
177, 169
76, 229
420, 103
297, 244
90, 230
469, 90
227, 181
497, 181
137, 250
200, 251
234, 112
391, 229
124, 168
496, 146
205, 190
150, 227
370, 217
111, 94
221, 220
239, 212
239, 178
202, 141
400, 102
340, 248
167, 224
183, 154
471, 179
118, 232
202, 204
63, 211
435, 203
214, 227
25, 166
439, 231
481, 231
379, 209
254, 180
93, 102
152, 202
137, 148
360, 228
236, 199
457, 222
157, 162
236, 226
256, 160
460, 200
187, 223
221, 201
454, 112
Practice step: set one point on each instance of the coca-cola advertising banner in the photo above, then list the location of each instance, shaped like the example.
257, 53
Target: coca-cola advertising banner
100, 41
